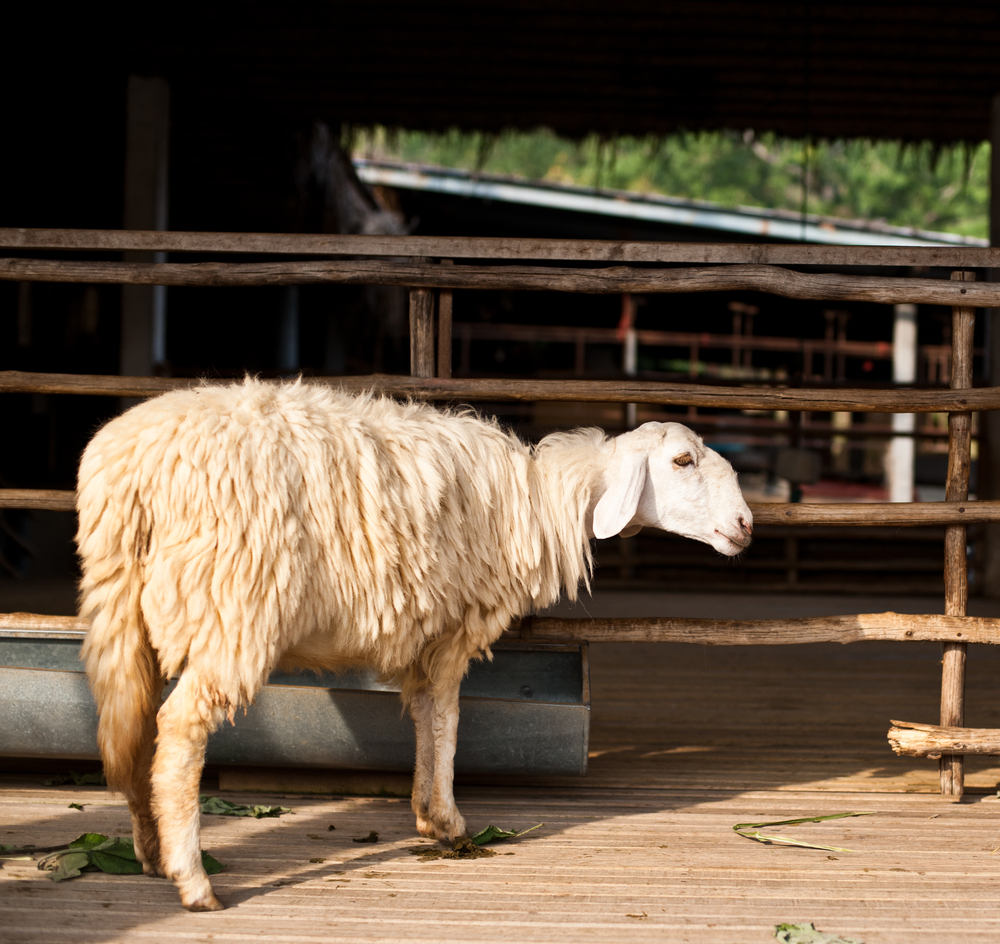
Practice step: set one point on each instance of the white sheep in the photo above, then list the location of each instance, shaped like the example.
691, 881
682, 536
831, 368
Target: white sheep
228, 531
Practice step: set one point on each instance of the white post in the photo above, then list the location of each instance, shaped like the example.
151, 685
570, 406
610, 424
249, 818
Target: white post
144, 307
630, 353
899, 460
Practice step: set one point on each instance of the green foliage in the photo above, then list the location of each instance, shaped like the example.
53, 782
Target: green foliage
904, 185
93, 852
219, 807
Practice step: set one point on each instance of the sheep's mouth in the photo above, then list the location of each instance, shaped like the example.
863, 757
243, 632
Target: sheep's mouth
741, 543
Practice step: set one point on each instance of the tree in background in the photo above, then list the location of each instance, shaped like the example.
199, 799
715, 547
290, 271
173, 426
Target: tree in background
913, 185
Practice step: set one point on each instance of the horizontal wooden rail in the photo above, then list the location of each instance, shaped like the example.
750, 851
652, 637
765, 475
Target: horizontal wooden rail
867, 515
591, 391
932, 740
453, 247
864, 627
606, 281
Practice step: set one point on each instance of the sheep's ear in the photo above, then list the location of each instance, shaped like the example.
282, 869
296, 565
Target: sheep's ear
620, 502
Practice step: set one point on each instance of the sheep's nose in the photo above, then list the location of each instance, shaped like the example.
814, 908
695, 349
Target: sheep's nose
746, 526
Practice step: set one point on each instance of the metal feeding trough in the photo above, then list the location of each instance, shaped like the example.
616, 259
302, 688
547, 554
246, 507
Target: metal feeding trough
527, 712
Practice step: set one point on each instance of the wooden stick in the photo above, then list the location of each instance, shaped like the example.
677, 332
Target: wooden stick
864, 627
421, 332
956, 575
584, 391
606, 281
931, 740
34, 622
38, 499
575, 250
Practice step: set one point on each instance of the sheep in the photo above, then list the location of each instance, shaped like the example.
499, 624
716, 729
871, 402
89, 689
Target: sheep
229, 531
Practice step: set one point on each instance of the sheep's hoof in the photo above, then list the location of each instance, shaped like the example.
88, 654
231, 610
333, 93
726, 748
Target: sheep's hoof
447, 832
203, 903
209, 904
197, 895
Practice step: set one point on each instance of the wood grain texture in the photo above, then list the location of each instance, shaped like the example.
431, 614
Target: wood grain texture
569, 250
588, 391
42, 499
956, 569
864, 627
685, 743
421, 332
867, 515
932, 740
605, 281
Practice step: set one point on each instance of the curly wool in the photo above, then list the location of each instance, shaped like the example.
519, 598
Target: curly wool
243, 526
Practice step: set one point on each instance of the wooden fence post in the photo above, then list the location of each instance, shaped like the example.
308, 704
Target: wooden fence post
421, 332
445, 301
956, 577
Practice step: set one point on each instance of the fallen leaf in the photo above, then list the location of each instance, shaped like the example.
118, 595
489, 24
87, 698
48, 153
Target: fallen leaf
757, 836
76, 806
97, 779
94, 852
807, 934
493, 833
216, 806
371, 837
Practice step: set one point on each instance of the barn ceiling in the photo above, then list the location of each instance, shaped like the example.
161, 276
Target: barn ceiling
886, 69
249, 79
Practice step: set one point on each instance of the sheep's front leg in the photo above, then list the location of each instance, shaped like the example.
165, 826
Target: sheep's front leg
443, 821
422, 713
184, 723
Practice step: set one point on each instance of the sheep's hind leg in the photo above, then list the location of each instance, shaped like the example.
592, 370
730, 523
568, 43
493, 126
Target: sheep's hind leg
185, 721
138, 793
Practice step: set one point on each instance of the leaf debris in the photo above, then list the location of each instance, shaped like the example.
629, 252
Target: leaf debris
741, 830
216, 806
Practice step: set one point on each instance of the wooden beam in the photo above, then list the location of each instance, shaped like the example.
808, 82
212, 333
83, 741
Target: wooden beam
555, 250
884, 515
584, 391
941, 741
864, 627
606, 281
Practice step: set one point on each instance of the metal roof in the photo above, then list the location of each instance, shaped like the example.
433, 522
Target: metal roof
654, 208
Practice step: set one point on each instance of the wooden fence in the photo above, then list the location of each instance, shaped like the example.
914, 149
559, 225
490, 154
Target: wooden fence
441, 265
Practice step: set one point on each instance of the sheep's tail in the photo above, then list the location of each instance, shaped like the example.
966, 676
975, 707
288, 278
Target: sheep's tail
122, 666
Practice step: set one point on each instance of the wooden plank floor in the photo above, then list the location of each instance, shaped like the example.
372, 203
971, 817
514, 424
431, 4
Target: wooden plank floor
686, 742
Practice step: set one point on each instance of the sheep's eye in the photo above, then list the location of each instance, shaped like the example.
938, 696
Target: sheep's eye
684, 459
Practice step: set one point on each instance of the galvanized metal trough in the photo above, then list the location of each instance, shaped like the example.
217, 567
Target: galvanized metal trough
527, 712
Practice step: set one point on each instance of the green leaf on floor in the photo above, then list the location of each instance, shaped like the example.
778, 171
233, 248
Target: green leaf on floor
94, 852
76, 806
493, 833
81, 780
219, 807
807, 934
741, 830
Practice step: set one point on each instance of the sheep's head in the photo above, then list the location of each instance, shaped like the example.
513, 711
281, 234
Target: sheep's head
662, 475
